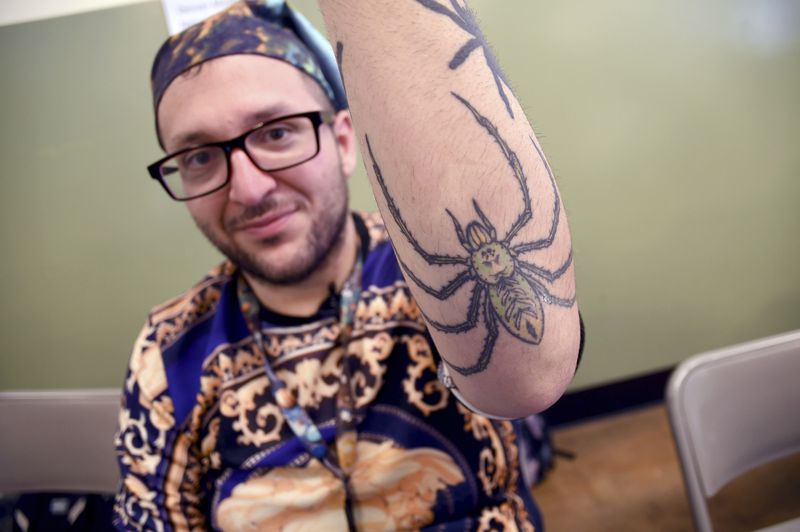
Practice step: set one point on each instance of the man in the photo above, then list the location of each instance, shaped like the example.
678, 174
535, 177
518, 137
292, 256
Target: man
296, 385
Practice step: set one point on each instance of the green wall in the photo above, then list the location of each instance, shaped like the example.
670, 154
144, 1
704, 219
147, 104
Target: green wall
672, 128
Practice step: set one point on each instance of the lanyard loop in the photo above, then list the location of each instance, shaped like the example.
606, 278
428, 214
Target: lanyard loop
341, 463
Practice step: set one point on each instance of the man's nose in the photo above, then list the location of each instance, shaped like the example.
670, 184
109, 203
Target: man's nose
249, 184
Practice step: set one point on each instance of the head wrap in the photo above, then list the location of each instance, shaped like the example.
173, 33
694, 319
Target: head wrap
267, 27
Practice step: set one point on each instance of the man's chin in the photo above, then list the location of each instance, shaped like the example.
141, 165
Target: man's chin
274, 276
287, 258
277, 263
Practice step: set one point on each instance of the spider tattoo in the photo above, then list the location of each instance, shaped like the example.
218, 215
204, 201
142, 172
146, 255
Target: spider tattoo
506, 288
465, 19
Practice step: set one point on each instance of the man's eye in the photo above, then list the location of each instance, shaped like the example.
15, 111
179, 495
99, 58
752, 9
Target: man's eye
197, 159
278, 133
275, 134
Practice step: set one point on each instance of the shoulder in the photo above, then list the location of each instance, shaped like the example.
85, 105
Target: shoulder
176, 315
375, 227
381, 268
171, 323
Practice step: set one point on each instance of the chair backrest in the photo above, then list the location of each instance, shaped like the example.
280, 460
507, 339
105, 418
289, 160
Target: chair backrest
732, 410
58, 441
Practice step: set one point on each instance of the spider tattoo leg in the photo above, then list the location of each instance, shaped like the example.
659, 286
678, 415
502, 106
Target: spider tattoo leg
488, 343
443, 293
548, 297
460, 11
499, 83
480, 41
459, 230
545, 273
472, 315
543, 243
485, 219
430, 258
442, 10
477, 41
513, 162
465, 19
463, 53
339, 58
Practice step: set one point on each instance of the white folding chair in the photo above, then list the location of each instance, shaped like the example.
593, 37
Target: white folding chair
58, 441
732, 410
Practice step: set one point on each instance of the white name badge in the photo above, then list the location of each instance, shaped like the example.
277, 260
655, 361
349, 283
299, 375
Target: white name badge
181, 14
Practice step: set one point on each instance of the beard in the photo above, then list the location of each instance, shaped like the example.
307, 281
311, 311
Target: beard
324, 237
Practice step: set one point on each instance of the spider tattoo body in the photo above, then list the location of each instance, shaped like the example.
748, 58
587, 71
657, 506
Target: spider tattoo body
506, 287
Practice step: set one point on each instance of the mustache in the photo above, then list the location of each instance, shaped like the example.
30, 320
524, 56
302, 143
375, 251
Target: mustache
252, 212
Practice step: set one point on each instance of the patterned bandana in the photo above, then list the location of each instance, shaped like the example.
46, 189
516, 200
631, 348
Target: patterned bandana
266, 27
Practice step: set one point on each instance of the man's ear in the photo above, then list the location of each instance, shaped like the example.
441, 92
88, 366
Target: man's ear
345, 141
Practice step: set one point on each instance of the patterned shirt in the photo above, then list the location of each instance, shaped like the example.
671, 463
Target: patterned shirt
203, 445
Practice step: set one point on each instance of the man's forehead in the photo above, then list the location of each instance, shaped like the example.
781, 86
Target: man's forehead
231, 94
194, 134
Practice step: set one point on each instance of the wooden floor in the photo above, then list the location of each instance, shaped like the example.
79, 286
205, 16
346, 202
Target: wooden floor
626, 478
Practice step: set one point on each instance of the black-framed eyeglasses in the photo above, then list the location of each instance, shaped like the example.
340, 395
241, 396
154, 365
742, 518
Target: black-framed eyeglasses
274, 145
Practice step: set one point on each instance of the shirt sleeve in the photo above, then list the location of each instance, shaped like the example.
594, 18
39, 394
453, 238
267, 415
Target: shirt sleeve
160, 488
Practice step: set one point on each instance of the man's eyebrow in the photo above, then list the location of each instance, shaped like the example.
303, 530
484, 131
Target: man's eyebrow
192, 139
265, 115
196, 138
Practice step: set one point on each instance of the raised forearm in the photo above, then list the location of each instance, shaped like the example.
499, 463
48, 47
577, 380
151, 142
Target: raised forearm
469, 200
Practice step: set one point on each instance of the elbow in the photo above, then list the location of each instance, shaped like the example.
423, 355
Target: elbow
522, 382
532, 395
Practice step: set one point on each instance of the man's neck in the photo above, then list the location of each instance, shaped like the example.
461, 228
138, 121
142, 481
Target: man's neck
304, 298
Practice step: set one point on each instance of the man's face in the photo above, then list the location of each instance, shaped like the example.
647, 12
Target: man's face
277, 226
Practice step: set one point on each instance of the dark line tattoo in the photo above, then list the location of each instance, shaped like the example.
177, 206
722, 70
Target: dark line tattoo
506, 288
339, 56
545, 242
465, 19
430, 258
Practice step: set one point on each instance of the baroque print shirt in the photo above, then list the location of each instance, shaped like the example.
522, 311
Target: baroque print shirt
203, 445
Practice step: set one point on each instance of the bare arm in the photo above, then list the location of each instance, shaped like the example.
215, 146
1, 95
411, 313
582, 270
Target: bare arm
470, 202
